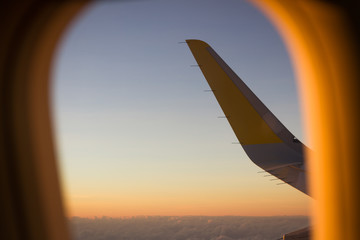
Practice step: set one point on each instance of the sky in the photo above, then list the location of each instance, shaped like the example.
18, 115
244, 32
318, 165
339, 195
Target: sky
136, 133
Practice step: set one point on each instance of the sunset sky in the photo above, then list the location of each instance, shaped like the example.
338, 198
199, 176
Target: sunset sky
137, 134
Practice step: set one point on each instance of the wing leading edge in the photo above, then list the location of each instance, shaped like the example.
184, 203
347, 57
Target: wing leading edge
264, 138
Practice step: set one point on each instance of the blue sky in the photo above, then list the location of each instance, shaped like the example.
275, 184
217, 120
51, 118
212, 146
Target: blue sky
132, 117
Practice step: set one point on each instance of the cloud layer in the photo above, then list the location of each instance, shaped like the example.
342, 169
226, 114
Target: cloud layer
185, 228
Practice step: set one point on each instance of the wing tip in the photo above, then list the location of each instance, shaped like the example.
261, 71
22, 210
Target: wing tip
198, 42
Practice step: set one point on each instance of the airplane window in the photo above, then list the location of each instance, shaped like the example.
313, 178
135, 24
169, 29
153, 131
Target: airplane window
139, 138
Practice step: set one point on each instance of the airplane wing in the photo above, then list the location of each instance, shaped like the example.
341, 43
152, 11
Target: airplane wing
264, 138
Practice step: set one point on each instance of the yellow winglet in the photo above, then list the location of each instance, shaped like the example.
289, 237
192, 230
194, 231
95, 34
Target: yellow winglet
246, 122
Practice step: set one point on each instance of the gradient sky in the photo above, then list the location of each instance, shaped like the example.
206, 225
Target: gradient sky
137, 134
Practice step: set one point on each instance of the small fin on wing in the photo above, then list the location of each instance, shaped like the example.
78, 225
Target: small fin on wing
264, 138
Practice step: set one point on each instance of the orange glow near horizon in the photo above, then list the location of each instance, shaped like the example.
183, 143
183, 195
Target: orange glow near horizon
112, 206
236, 197
241, 198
